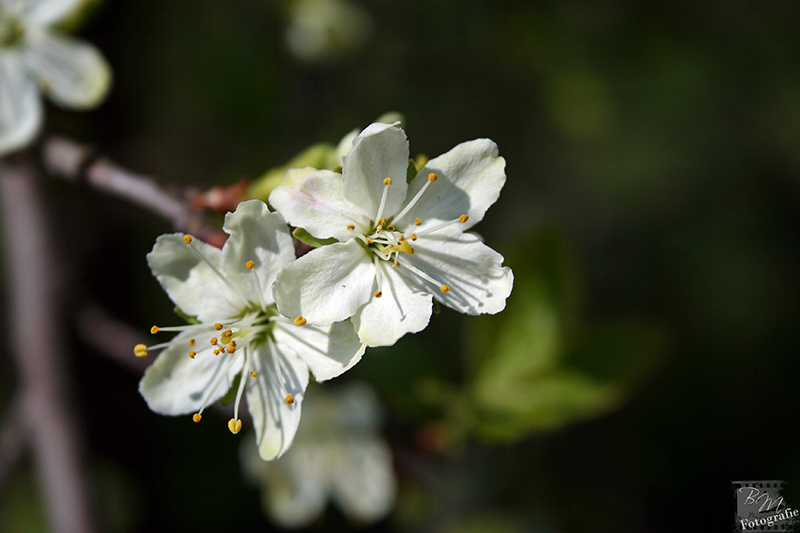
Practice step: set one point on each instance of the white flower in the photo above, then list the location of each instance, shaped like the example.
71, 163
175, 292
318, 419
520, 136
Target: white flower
399, 244
240, 332
338, 454
32, 58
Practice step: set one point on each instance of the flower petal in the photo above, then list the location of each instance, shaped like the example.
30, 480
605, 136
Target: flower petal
364, 485
176, 384
46, 12
470, 177
326, 285
380, 151
402, 308
189, 281
274, 419
478, 282
329, 351
312, 199
20, 105
259, 236
73, 73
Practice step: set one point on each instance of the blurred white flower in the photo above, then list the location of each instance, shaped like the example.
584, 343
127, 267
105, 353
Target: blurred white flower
73, 73
323, 30
238, 334
338, 454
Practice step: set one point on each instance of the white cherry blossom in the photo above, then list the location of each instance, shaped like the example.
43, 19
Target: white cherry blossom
239, 335
396, 245
34, 59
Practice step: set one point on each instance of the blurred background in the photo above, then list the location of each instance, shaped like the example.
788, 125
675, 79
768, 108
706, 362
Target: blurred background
648, 355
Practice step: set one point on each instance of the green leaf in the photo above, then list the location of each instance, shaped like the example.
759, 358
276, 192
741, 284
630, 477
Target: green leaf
411, 171
230, 396
320, 156
305, 237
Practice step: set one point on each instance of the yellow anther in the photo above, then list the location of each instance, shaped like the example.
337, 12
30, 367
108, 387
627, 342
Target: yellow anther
217, 351
187, 239
217, 327
463, 218
378, 294
417, 221
381, 222
401, 238
387, 181
154, 330
406, 248
250, 264
233, 343
300, 321
231, 349
235, 426
444, 288
197, 417
253, 374
192, 354
389, 228
192, 342
140, 350
289, 399
369, 241
432, 177
214, 341
394, 265
351, 227
228, 333
413, 236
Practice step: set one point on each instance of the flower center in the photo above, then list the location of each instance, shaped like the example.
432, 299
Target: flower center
11, 29
388, 242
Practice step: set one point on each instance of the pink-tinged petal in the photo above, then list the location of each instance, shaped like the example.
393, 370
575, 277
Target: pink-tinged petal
402, 308
312, 199
379, 152
326, 285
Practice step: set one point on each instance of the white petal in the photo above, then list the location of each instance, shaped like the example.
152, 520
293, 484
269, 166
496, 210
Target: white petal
46, 12
365, 485
176, 384
20, 105
189, 281
402, 308
329, 351
478, 282
326, 285
73, 73
275, 420
470, 177
345, 145
312, 199
297, 486
379, 152
259, 236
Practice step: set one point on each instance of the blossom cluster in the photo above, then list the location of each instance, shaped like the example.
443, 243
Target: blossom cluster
388, 243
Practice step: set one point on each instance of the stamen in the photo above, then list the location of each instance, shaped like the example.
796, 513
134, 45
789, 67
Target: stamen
390, 228
192, 342
461, 219
216, 385
140, 350
426, 277
300, 321
217, 326
154, 330
192, 354
378, 294
386, 183
187, 239
242, 381
350, 227
197, 417
250, 264
214, 341
217, 351
417, 221
259, 291
289, 399
431, 178
413, 236
232, 349
253, 374
235, 426
444, 288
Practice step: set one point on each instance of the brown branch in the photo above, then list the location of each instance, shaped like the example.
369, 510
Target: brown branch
75, 162
38, 350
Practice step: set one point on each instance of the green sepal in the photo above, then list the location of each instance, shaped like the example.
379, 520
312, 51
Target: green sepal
230, 396
305, 237
411, 171
189, 319
436, 307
